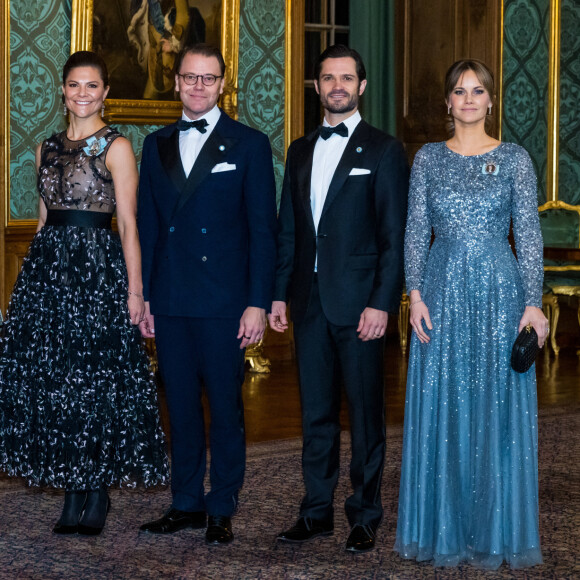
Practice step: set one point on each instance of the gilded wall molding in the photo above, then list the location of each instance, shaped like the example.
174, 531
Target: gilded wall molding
5, 141
500, 79
553, 102
294, 72
288, 75
5, 112
231, 49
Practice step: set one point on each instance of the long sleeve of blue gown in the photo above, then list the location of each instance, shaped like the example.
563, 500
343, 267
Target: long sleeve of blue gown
526, 228
418, 231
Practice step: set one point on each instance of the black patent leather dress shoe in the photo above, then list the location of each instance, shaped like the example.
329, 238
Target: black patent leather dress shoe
175, 520
219, 530
360, 539
305, 530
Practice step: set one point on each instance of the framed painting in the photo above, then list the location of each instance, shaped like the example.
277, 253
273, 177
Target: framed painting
139, 40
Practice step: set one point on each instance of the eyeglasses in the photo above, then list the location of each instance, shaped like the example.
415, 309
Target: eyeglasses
191, 79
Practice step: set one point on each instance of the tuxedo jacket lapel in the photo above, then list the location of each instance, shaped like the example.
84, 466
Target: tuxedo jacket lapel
304, 174
168, 148
209, 156
213, 152
350, 158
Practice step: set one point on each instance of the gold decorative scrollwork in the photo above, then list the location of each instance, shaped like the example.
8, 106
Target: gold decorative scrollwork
255, 357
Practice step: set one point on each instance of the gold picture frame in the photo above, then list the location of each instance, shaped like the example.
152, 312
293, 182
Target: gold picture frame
155, 112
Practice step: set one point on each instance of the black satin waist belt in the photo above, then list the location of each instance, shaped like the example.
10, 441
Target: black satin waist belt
78, 217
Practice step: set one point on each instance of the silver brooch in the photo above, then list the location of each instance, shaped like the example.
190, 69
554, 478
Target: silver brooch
359, 149
490, 168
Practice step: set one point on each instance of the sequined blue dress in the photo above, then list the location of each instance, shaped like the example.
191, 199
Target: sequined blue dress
469, 479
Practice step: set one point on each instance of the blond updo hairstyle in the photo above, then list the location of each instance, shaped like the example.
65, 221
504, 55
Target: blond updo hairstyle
485, 77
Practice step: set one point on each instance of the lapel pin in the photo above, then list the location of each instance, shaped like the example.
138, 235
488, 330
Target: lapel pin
222, 148
359, 149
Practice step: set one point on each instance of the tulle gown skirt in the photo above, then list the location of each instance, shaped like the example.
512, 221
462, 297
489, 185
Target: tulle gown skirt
78, 406
469, 480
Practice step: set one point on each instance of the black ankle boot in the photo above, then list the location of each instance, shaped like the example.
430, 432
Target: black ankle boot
74, 502
94, 515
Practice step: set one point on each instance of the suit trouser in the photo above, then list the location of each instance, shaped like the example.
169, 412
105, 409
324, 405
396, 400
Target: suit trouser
195, 353
319, 346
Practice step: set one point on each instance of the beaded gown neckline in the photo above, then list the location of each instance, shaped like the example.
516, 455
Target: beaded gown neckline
494, 150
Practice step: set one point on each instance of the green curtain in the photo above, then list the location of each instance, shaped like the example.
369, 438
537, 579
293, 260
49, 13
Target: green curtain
372, 34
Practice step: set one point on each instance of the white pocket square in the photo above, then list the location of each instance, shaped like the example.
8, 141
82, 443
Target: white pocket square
359, 171
223, 167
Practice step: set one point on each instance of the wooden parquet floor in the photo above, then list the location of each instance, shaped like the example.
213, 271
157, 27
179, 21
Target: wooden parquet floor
272, 401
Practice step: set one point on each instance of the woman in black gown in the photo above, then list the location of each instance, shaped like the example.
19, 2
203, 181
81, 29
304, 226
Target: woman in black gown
78, 406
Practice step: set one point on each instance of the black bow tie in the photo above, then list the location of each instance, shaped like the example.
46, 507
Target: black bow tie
341, 129
200, 125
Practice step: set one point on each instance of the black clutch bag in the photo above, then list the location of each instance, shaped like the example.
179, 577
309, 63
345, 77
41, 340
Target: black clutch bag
525, 349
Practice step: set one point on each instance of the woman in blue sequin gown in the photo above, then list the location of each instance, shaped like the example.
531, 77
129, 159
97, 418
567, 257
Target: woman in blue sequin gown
469, 480
78, 406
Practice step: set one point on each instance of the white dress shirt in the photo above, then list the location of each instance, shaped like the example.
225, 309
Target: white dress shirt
191, 142
327, 154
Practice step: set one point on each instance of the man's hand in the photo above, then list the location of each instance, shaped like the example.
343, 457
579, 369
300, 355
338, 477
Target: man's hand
277, 318
147, 324
372, 324
252, 325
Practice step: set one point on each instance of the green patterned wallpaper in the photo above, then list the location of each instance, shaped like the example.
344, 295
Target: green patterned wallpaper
569, 161
261, 73
37, 52
40, 45
525, 80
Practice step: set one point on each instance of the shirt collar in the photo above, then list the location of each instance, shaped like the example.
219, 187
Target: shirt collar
212, 117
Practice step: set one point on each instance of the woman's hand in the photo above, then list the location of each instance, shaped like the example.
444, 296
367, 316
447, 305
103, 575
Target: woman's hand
136, 307
534, 316
419, 312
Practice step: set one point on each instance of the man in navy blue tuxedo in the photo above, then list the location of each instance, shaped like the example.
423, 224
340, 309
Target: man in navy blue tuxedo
207, 226
340, 265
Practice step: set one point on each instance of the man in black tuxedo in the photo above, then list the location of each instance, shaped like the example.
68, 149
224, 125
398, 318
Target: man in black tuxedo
340, 265
207, 226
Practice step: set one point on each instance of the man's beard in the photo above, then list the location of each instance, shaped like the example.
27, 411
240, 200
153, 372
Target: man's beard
350, 105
